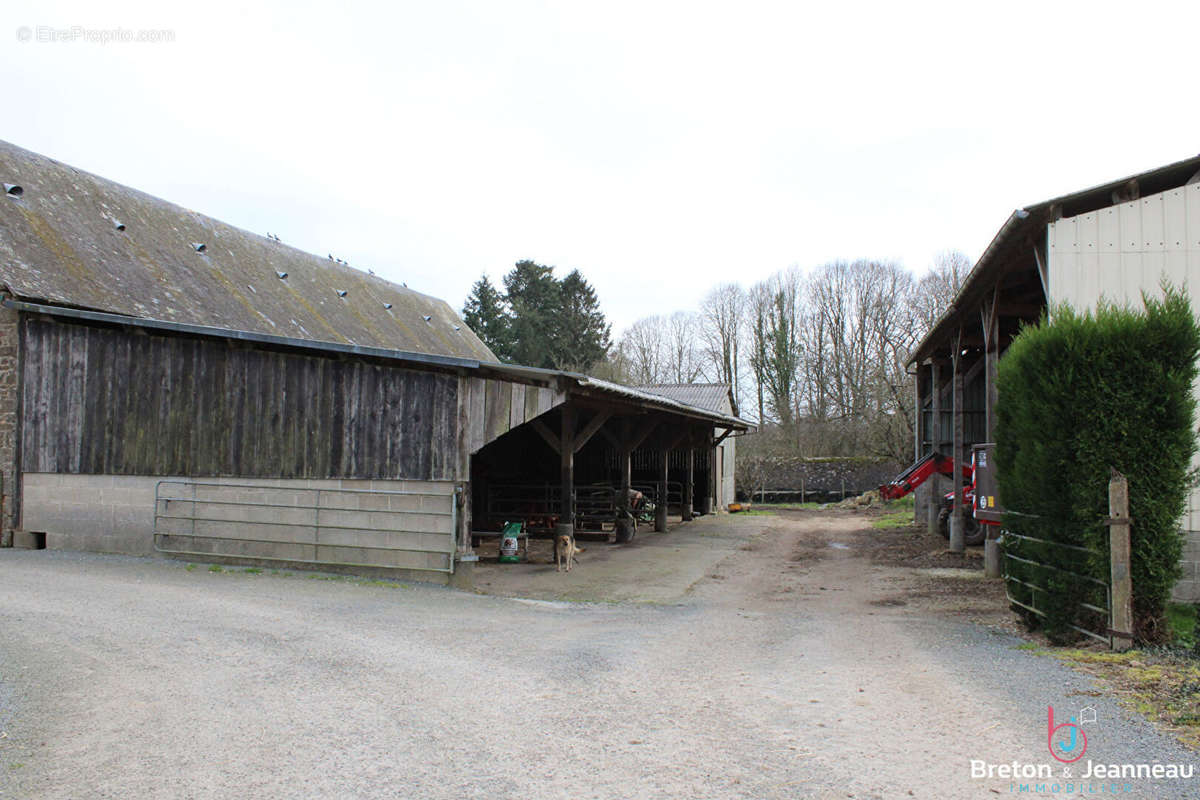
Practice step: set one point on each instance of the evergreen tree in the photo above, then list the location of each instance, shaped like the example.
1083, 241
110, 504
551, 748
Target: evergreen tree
534, 297
582, 336
485, 313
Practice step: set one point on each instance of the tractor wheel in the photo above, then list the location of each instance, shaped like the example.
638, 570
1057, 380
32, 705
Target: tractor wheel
973, 533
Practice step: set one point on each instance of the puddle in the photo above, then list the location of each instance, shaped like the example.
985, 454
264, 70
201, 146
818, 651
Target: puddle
839, 545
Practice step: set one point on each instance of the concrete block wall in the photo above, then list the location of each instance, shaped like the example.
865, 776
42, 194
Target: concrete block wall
1188, 588
115, 514
9, 394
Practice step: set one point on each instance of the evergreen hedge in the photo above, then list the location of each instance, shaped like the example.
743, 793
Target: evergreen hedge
1080, 395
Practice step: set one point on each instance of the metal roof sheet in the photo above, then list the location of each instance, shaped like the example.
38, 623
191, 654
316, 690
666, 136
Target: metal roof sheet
75, 239
711, 396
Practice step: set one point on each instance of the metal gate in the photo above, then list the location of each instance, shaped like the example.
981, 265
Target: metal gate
331, 527
1035, 595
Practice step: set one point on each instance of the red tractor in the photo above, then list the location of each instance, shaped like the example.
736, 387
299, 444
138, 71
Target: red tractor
975, 530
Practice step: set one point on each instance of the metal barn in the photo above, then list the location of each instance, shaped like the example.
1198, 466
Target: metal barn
172, 384
1110, 242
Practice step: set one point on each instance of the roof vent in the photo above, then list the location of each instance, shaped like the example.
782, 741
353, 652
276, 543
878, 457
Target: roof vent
12, 190
199, 247
426, 317
388, 306
280, 275
457, 327
119, 225
341, 292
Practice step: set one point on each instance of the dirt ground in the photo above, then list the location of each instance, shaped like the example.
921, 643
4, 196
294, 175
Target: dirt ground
908, 566
796, 655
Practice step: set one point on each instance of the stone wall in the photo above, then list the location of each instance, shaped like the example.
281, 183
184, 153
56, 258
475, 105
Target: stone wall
9, 394
820, 478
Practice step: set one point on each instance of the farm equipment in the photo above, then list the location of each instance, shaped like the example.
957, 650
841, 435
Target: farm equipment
984, 514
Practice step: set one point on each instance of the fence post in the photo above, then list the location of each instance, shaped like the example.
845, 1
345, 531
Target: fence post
1121, 622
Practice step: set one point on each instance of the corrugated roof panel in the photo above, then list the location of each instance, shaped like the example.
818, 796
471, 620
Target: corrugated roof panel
709, 396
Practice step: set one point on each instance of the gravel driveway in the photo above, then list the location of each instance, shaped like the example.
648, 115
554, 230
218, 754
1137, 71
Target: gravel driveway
788, 671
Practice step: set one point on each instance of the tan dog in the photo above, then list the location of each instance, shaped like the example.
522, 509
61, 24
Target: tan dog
565, 550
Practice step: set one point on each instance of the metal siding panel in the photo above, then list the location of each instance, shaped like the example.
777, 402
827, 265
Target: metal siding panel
1193, 216
1108, 280
1108, 239
1175, 220
1129, 216
1153, 223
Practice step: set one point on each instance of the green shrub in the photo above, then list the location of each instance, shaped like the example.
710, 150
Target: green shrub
1081, 395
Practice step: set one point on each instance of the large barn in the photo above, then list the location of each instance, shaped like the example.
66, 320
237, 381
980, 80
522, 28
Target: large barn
172, 384
1109, 242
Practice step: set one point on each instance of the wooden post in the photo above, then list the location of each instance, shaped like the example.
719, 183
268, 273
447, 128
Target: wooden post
920, 510
566, 449
710, 505
625, 525
1121, 624
991, 348
660, 511
957, 515
935, 433
689, 497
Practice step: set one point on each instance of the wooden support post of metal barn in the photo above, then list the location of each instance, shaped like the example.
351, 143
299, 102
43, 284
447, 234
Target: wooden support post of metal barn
990, 318
1121, 624
689, 483
957, 513
566, 451
919, 509
935, 435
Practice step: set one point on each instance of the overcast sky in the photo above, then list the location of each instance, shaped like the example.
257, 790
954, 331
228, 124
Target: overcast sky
660, 148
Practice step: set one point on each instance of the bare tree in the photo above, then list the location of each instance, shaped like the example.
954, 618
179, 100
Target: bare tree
682, 358
938, 287
776, 348
641, 348
720, 324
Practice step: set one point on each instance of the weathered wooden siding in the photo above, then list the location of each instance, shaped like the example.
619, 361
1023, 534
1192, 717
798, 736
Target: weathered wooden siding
493, 408
106, 401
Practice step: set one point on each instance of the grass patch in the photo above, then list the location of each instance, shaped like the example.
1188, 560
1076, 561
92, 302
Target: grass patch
252, 570
1162, 684
755, 511
190, 568
215, 568
1182, 619
893, 519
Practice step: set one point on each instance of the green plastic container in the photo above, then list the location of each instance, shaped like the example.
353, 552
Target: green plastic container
510, 552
